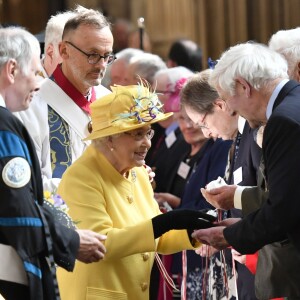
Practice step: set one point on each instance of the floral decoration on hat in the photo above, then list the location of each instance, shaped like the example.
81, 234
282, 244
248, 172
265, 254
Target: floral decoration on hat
126, 108
144, 109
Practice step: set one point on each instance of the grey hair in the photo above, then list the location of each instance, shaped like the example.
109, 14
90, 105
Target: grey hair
102, 141
54, 28
85, 16
287, 43
198, 94
128, 53
173, 75
19, 44
255, 63
146, 65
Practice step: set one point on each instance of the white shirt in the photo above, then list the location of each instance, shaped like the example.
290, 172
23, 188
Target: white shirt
2, 102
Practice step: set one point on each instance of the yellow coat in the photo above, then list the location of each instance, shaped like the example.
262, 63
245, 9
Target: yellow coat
102, 200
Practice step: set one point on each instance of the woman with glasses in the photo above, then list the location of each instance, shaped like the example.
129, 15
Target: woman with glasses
205, 107
203, 162
108, 190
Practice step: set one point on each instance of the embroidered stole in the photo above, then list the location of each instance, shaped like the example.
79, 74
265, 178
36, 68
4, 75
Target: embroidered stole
60, 117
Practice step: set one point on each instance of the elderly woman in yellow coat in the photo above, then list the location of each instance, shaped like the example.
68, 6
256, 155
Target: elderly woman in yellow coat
108, 191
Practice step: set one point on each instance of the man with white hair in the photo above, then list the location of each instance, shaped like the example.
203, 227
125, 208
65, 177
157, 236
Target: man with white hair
116, 73
144, 66
31, 239
287, 43
253, 81
53, 35
31, 117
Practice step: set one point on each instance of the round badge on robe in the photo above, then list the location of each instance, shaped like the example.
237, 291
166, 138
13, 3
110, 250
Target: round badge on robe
16, 173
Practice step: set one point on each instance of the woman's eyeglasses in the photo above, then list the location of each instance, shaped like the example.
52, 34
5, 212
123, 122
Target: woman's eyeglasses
139, 135
203, 125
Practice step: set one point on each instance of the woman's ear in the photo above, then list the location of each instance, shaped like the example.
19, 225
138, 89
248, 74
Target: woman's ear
109, 143
219, 103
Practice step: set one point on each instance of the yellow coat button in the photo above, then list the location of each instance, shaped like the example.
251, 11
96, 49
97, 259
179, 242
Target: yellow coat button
146, 256
130, 199
144, 286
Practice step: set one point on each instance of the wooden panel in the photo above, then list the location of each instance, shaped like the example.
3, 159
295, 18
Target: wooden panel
169, 20
214, 24
30, 14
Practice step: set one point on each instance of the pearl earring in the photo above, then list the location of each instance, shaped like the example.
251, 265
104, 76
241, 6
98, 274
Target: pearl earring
111, 149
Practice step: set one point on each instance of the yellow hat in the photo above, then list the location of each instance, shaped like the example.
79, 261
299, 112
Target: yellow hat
125, 109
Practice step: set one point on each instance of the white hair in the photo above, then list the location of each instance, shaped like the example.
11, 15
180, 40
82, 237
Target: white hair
255, 63
128, 53
54, 28
19, 44
173, 75
146, 65
287, 43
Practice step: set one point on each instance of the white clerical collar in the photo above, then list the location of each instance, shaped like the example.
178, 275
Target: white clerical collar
88, 96
274, 96
2, 102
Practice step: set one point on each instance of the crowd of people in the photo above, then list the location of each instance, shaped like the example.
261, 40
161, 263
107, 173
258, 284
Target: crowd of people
179, 182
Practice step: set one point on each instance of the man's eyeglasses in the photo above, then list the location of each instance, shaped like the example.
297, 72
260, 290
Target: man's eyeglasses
139, 135
94, 58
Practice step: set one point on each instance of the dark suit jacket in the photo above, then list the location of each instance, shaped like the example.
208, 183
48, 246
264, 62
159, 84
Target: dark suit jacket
277, 272
249, 155
248, 158
279, 216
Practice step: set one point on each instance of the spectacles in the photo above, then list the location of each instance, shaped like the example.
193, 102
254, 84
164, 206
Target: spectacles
94, 58
139, 135
203, 124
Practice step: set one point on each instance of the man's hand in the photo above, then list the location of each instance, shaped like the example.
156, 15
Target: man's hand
91, 248
212, 236
221, 197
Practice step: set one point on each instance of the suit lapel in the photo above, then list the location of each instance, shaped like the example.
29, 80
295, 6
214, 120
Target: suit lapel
284, 91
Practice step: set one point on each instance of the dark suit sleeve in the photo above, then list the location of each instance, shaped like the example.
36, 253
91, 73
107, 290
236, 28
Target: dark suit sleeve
252, 199
65, 241
279, 214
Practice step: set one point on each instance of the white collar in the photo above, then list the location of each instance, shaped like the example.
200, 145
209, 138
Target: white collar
241, 124
2, 102
274, 96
